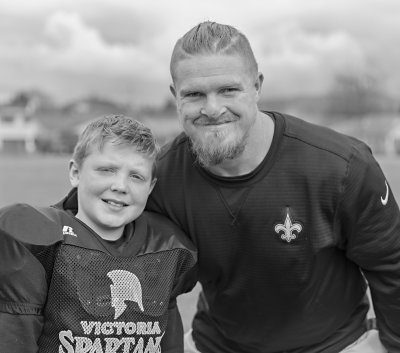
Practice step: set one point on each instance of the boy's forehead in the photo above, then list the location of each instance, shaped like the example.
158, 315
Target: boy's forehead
115, 146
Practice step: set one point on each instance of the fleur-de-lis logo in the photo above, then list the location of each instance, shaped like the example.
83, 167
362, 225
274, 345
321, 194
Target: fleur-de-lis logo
288, 229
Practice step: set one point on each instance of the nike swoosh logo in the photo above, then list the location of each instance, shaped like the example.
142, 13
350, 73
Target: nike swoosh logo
385, 200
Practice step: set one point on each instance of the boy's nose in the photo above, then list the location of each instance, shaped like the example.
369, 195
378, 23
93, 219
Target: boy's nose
119, 184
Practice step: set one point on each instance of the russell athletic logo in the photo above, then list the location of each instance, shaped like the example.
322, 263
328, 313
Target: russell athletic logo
288, 229
67, 230
126, 286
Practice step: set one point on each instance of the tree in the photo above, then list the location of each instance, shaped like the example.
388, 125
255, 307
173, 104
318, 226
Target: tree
355, 97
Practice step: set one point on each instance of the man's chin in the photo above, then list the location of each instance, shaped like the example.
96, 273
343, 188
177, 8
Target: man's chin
211, 141
209, 157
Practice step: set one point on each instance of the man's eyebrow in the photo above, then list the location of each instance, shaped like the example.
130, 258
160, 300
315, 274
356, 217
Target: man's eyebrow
197, 88
231, 84
184, 91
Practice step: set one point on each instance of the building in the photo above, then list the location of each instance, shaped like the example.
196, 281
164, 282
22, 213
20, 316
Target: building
18, 129
381, 132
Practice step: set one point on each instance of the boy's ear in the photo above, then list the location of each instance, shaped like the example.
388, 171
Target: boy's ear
153, 183
73, 173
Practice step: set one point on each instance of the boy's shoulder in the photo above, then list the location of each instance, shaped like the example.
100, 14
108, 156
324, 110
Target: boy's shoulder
32, 225
44, 227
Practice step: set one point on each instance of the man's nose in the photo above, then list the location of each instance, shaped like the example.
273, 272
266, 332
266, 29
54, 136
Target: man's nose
212, 107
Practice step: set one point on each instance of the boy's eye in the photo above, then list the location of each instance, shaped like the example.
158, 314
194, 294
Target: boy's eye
137, 177
106, 170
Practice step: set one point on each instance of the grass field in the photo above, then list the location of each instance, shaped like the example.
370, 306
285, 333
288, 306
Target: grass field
42, 180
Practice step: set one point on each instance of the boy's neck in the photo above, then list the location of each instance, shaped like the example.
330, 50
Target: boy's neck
116, 243
119, 244
112, 236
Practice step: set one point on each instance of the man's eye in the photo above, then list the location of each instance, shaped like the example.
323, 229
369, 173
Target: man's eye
192, 95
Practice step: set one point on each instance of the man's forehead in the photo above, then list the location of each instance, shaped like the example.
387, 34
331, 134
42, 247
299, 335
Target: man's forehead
212, 59
212, 65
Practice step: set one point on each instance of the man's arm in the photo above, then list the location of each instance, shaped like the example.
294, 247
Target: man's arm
370, 218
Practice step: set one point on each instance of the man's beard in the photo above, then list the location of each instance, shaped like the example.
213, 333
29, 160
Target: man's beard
212, 152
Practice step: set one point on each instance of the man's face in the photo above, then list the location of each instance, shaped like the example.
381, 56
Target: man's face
113, 187
216, 99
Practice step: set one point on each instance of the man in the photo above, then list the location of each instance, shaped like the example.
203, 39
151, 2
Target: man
285, 214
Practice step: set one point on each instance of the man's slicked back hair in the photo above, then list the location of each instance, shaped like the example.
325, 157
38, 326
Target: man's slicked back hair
118, 130
208, 38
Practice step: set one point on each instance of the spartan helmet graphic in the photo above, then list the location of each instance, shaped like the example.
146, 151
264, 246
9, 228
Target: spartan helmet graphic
126, 286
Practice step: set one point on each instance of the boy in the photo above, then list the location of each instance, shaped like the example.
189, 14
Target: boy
102, 278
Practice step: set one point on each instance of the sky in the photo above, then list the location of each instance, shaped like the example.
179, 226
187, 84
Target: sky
120, 49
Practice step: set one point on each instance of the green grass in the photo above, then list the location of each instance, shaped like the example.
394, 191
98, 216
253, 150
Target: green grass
43, 180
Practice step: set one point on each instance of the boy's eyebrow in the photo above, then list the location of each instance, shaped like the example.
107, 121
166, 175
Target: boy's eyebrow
111, 163
105, 162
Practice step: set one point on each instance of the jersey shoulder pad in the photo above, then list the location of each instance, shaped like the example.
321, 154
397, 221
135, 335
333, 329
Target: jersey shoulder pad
31, 225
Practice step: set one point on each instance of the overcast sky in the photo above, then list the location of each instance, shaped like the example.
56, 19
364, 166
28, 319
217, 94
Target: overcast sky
121, 48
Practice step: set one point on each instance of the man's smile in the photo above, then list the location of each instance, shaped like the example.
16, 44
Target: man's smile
205, 121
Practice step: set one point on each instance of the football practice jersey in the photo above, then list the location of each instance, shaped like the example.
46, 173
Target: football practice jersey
281, 248
86, 294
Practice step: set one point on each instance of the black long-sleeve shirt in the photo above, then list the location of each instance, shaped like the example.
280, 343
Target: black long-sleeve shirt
283, 250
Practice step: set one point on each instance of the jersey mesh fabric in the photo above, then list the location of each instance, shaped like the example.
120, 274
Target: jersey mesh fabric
118, 304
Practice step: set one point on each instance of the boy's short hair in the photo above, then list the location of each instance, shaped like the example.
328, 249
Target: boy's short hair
213, 38
119, 130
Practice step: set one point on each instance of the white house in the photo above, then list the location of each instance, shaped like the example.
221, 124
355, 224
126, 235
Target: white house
18, 131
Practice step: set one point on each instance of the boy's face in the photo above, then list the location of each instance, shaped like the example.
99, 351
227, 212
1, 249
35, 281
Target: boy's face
113, 187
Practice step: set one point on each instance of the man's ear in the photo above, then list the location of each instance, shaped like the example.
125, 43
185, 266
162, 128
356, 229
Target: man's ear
258, 84
73, 173
172, 89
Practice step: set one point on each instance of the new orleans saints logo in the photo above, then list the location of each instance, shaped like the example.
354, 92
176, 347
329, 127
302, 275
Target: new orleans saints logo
288, 228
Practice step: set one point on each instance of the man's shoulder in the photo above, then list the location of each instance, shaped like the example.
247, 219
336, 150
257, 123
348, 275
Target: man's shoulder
322, 137
165, 234
175, 146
